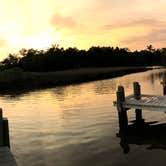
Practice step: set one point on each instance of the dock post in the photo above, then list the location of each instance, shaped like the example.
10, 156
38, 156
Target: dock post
122, 113
164, 84
137, 96
4, 131
1, 128
6, 139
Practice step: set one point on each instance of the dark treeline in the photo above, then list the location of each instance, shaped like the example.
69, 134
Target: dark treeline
55, 58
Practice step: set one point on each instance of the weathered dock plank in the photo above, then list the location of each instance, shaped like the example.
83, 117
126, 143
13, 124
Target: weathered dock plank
147, 102
6, 157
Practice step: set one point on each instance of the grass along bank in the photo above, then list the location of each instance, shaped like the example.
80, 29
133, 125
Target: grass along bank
13, 79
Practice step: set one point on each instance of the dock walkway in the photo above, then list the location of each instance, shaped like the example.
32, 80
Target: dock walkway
147, 102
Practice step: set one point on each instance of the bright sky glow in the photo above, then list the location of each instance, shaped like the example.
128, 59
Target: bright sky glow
81, 23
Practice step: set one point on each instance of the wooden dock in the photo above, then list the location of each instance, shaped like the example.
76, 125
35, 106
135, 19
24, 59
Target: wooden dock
147, 102
138, 102
6, 157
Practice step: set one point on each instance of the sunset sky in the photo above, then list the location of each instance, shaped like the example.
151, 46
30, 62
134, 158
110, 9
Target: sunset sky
81, 23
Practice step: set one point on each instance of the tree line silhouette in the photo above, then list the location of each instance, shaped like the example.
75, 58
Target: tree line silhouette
55, 58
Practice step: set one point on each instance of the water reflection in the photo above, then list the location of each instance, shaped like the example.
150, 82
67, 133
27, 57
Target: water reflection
151, 134
78, 120
105, 86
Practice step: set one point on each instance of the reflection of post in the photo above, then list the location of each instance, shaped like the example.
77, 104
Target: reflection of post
124, 143
137, 96
122, 113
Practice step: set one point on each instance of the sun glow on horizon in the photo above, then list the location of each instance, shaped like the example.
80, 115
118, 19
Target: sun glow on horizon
39, 24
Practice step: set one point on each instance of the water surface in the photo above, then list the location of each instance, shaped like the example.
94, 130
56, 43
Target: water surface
76, 125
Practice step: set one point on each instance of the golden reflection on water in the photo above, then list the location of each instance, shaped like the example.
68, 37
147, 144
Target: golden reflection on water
69, 119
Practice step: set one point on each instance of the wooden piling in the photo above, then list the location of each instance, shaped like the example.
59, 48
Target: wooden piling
137, 96
122, 113
1, 128
6, 140
164, 84
6, 157
4, 131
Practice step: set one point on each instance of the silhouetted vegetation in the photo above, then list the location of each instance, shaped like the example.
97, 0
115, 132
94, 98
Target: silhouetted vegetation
55, 58
16, 79
31, 68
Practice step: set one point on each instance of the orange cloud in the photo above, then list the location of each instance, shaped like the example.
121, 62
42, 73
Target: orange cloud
155, 35
138, 22
62, 22
137, 33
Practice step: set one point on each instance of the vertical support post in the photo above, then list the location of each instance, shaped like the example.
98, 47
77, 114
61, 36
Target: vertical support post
164, 84
122, 113
137, 96
1, 128
6, 140
4, 131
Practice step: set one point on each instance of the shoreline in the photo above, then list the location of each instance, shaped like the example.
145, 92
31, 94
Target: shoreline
17, 80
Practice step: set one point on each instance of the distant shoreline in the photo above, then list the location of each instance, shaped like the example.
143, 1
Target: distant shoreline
17, 80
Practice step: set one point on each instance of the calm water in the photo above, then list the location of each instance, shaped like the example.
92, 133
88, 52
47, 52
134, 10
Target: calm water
76, 125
